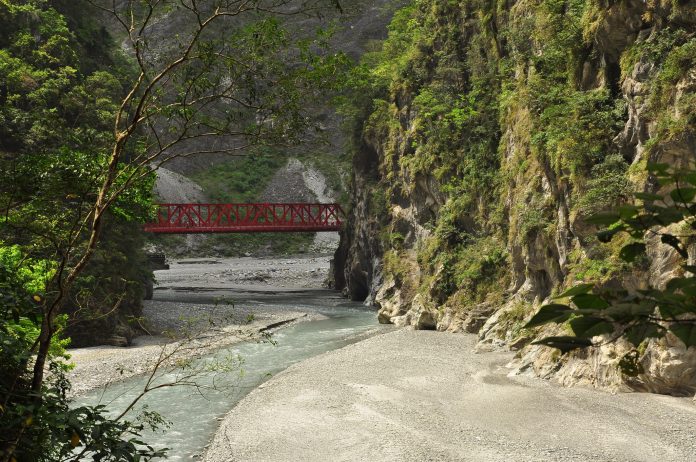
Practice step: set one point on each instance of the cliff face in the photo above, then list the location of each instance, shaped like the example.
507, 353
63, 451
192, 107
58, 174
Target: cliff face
501, 127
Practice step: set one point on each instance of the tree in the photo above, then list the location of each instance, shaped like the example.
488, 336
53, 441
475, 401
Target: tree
231, 79
667, 217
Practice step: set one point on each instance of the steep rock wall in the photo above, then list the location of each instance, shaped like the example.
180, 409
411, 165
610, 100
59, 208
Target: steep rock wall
498, 130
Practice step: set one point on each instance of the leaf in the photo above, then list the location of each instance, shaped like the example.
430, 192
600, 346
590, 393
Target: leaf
576, 290
683, 195
675, 284
668, 215
639, 332
675, 243
631, 251
630, 365
564, 343
549, 313
589, 326
603, 219
666, 180
606, 235
589, 302
647, 196
627, 312
657, 167
686, 332
690, 291
626, 212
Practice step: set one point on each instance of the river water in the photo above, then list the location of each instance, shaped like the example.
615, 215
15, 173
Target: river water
194, 413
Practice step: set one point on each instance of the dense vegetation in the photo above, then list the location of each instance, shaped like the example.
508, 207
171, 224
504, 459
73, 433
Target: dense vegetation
81, 127
56, 111
61, 81
500, 125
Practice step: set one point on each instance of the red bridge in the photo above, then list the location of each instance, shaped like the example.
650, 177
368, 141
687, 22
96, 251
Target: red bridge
246, 218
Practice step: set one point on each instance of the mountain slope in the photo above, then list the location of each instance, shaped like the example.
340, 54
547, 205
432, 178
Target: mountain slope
490, 132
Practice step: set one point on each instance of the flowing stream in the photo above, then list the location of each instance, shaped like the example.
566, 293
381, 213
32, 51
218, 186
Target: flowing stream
194, 413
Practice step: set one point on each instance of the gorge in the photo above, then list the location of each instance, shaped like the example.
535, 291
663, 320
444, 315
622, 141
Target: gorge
514, 279
493, 131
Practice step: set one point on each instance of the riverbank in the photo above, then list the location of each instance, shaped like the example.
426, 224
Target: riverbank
421, 395
201, 305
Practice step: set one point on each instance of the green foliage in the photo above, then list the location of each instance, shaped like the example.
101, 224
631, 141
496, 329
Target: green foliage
51, 430
534, 216
472, 267
647, 313
480, 265
601, 263
675, 116
43, 94
241, 180
47, 429
606, 187
438, 64
23, 282
577, 127
655, 50
396, 265
56, 124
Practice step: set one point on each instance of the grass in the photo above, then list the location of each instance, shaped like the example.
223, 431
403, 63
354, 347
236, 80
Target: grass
239, 180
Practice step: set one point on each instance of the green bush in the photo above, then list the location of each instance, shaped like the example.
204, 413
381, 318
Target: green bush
607, 186
643, 314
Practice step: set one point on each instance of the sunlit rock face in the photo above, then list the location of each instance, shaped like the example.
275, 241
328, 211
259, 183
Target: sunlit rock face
498, 133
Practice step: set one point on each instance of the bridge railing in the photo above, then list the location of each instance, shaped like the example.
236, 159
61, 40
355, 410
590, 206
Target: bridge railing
249, 218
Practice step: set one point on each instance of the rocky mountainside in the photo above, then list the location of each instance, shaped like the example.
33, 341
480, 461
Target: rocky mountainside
172, 187
314, 170
489, 132
355, 26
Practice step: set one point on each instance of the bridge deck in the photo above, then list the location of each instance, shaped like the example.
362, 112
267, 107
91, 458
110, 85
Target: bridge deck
246, 218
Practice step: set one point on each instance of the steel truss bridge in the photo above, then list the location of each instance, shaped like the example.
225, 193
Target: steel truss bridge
246, 218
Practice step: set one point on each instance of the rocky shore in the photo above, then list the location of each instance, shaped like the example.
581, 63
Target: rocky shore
397, 397
98, 366
195, 311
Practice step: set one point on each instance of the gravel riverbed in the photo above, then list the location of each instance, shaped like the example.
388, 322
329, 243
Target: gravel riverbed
402, 396
427, 396
201, 305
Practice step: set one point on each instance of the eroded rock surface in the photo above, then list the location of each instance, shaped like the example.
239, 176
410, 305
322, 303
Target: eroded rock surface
433, 251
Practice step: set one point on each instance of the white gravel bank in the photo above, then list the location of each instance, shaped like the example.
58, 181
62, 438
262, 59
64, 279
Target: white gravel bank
98, 366
208, 299
425, 396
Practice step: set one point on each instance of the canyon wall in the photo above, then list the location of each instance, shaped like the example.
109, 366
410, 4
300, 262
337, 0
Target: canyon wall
486, 132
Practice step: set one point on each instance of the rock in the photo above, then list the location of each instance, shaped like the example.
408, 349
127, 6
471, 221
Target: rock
448, 321
383, 318
401, 321
669, 368
117, 340
388, 300
425, 320
401, 211
423, 316
477, 317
